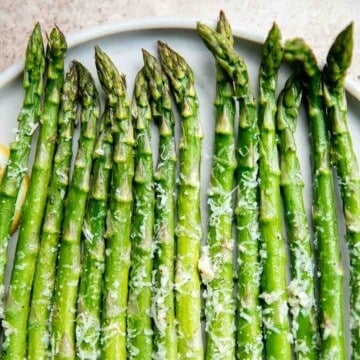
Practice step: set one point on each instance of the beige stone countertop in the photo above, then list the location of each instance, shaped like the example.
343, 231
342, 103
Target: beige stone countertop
317, 21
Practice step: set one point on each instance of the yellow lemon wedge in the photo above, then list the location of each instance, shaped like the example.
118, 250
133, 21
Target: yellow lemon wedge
4, 155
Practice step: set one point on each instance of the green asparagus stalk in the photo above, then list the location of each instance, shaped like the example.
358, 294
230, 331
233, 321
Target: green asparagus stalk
188, 229
301, 290
218, 277
17, 164
68, 270
139, 323
274, 295
343, 155
163, 312
331, 300
44, 277
249, 337
118, 246
88, 322
18, 302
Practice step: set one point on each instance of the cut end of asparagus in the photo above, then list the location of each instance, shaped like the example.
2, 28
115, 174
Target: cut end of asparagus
272, 52
339, 56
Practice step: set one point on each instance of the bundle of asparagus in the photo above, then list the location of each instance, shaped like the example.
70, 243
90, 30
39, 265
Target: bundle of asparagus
18, 301
108, 264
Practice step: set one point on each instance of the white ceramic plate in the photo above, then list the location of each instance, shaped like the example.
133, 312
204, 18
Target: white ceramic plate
123, 43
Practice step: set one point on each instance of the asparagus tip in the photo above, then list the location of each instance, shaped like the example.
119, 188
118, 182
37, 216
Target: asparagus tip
164, 50
273, 51
296, 50
37, 27
162, 45
99, 53
222, 19
35, 38
224, 27
56, 42
339, 57
202, 28
146, 55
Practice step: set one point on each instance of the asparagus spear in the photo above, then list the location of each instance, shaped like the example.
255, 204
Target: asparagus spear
249, 337
302, 287
324, 212
163, 312
188, 229
117, 260
88, 322
219, 294
274, 295
338, 61
16, 167
18, 302
68, 271
139, 324
44, 277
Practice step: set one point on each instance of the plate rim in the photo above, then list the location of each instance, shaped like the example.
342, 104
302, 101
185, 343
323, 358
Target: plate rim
149, 23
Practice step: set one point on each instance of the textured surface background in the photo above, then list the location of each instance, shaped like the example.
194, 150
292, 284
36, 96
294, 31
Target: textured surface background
318, 22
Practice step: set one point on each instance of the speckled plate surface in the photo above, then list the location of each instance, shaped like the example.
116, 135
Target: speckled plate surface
123, 42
